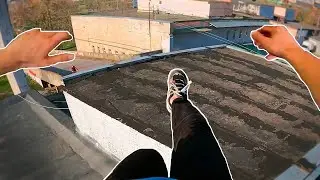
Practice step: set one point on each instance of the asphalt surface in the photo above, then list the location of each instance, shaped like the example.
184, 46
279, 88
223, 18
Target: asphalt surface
31, 149
261, 113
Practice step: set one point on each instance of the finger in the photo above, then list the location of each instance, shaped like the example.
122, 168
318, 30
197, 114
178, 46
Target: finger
259, 38
268, 31
32, 31
58, 38
50, 60
48, 34
267, 28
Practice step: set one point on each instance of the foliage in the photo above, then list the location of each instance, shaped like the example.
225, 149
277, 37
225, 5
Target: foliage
5, 89
70, 45
56, 14
106, 5
46, 14
308, 15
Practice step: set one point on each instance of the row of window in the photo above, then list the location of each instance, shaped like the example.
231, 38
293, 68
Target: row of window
232, 35
97, 49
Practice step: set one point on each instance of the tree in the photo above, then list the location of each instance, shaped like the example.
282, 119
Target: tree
45, 14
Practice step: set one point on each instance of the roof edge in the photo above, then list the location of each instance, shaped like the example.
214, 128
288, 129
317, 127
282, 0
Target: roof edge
135, 61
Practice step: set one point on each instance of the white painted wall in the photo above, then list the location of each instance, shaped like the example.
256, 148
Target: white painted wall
118, 35
247, 8
280, 11
113, 136
317, 45
187, 7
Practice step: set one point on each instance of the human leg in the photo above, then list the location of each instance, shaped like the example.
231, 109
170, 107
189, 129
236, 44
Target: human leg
142, 163
196, 152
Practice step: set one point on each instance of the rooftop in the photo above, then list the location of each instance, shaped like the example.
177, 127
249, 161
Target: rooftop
261, 113
37, 143
133, 13
304, 26
250, 16
163, 16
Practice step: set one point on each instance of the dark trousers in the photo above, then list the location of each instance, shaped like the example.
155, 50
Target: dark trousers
196, 153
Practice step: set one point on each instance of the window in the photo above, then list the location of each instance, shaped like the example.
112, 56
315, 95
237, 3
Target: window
98, 49
116, 52
227, 35
110, 52
240, 34
93, 49
104, 50
234, 35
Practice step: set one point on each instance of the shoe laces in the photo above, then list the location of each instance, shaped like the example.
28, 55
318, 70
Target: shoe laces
176, 90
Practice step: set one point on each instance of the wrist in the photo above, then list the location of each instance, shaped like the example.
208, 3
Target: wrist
8, 61
290, 53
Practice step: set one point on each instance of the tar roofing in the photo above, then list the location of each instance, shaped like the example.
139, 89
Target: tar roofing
133, 13
260, 111
163, 16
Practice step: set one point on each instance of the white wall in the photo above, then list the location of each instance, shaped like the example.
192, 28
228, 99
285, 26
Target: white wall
118, 35
247, 8
280, 11
317, 45
185, 7
114, 137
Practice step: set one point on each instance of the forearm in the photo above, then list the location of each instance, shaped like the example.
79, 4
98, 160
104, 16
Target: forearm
7, 63
307, 66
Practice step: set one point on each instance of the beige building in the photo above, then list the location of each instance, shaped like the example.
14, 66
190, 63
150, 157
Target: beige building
118, 35
132, 33
124, 33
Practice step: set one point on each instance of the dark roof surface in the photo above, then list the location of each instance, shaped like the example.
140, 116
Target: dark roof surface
145, 15
170, 17
261, 112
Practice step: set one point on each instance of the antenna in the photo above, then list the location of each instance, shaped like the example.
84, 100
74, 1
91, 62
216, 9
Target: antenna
149, 25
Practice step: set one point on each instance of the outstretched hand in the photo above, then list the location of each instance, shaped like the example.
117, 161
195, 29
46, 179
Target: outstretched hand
276, 40
31, 49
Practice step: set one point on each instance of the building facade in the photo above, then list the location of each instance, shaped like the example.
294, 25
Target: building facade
118, 35
188, 7
138, 35
267, 11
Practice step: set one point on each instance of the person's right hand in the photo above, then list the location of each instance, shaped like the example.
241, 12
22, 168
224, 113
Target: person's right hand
276, 40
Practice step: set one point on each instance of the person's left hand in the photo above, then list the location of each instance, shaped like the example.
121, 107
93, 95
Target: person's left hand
31, 48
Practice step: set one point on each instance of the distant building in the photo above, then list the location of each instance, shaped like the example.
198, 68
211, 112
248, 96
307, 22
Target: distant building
204, 9
267, 11
132, 32
305, 2
299, 31
313, 44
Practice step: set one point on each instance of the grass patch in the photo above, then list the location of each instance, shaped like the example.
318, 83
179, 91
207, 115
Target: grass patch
33, 84
5, 88
68, 46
